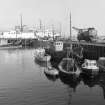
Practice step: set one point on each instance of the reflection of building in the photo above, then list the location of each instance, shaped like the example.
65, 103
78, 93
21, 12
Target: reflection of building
3, 42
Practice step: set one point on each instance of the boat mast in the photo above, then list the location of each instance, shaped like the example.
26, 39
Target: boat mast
53, 31
40, 24
70, 27
70, 32
21, 24
60, 29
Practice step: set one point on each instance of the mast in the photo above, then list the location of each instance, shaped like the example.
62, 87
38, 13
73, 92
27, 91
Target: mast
70, 32
53, 31
40, 24
70, 26
21, 24
44, 29
60, 29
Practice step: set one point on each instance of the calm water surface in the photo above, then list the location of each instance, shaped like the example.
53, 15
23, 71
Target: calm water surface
23, 82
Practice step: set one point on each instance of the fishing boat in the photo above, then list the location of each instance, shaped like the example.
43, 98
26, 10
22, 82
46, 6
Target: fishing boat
68, 67
90, 66
39, 50
51, 71
41, 56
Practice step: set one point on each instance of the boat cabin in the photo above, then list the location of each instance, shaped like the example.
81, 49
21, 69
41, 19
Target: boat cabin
58, 46
90, 64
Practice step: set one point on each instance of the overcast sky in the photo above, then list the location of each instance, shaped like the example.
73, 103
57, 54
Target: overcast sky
85, 13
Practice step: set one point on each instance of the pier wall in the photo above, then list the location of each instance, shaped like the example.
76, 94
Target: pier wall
90, 50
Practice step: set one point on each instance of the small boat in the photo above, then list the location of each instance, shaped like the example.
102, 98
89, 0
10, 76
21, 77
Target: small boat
68, 67
41, 56
51, 71
101, 64
51, 78
39, 51
90, 66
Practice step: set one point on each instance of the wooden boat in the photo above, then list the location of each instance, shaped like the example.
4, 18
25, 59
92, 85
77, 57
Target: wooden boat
68, 67
90, 66
51, 71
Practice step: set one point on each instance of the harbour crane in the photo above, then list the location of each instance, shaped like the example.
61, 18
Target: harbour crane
86, 34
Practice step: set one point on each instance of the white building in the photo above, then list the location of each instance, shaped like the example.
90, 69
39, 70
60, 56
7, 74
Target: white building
46, 33
14, 34
29, 35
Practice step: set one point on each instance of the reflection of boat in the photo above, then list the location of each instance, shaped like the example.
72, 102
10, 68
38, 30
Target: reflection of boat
93, 80
42, 64
50, 71
52, 78
67, 67
73, 81
90, 66
90, 80
41, 56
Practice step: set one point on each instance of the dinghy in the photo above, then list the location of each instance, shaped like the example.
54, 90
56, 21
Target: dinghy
51, 71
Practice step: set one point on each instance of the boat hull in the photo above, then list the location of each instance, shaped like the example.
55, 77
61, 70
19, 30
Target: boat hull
43, 59
90, 71
53, 72
70, 70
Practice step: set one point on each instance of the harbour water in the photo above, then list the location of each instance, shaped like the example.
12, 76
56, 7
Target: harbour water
23, 82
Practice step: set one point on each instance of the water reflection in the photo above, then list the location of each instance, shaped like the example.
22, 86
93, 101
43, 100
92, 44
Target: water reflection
51, 78
42, 64
92, 81
22, 82
73, 82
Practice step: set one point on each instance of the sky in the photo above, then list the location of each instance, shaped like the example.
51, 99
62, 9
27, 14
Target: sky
84, 13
